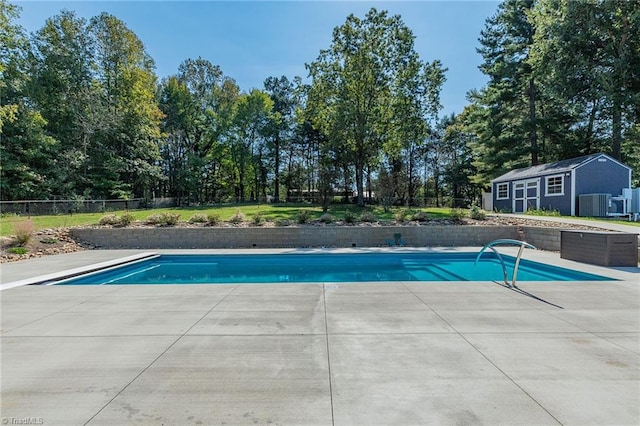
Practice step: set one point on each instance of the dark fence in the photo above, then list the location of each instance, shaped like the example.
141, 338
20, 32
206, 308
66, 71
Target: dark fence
45, 207
51, 207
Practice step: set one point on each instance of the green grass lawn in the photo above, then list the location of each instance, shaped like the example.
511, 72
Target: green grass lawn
621, 222
534, 213
269, 212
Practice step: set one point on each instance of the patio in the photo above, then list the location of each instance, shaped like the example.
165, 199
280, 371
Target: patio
321, 354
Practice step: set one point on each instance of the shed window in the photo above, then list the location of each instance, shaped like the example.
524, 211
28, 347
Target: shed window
554, 185
502, 190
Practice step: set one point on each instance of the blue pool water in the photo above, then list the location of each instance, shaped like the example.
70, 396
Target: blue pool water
283, 268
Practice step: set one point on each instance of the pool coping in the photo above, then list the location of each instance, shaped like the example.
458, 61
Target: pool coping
68, 273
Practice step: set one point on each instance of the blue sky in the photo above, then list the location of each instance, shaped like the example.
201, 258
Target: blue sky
252, 40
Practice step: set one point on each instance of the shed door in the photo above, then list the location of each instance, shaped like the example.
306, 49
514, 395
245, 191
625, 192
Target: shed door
526, 195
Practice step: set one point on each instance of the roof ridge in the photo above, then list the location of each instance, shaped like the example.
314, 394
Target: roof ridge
542, 169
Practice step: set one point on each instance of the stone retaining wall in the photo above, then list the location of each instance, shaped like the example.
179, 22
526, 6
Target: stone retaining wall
543, 238
309, 236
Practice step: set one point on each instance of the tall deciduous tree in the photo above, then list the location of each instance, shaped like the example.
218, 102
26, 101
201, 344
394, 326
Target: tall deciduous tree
458, 162
181, 115
25, 149
13, 49
281, 91
199, 106
125, 72
353, 84
253, 114
63, 88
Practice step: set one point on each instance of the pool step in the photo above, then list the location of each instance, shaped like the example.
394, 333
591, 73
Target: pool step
426, 271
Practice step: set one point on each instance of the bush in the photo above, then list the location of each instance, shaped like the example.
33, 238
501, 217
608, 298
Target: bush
420, 216
239, 217
153, 219
109, 219
476, 213
198, 218
283, 222
163, 219
213, 218
23, 231
49, 240
349, 216
257, 219
457, 214
303, 216
115, 220
326, 218
368, 217
126, 219
401, 216
17, 250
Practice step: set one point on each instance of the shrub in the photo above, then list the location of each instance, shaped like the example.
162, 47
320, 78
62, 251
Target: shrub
163, 219
401, 215
326, 218
257, 219
239, 217
349, 216
283, 222
115, 220
476, 213
303, 216
17, 250
49, 240
368, 217
213, 218
456, 214
153, 219
126, 219
170, 218
420, 216
23, 231
109, 219
198, 218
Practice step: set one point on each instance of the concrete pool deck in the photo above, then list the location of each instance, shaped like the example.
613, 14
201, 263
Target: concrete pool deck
320, 354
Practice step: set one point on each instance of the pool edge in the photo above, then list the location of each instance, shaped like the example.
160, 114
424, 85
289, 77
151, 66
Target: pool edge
56, 276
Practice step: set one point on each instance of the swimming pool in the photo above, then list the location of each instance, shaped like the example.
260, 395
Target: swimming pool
324, 267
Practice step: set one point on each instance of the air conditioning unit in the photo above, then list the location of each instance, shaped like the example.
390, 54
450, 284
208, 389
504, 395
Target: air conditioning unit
634, 204
593, 205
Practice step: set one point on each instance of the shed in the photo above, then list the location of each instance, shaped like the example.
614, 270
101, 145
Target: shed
557, 186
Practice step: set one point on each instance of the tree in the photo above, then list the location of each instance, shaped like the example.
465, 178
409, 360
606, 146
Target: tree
181, 113
199, 106
127, 150
281, 91
63, 89
253, 114
589, 55
512, 94
25, 149
416, 109
353, 84
13, 47
459, 158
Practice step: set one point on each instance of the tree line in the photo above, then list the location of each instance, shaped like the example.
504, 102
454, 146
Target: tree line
83, 114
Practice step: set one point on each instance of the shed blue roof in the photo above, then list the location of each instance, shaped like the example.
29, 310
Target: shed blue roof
550, 168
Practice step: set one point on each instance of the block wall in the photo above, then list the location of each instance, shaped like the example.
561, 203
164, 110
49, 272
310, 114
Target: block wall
309, 236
